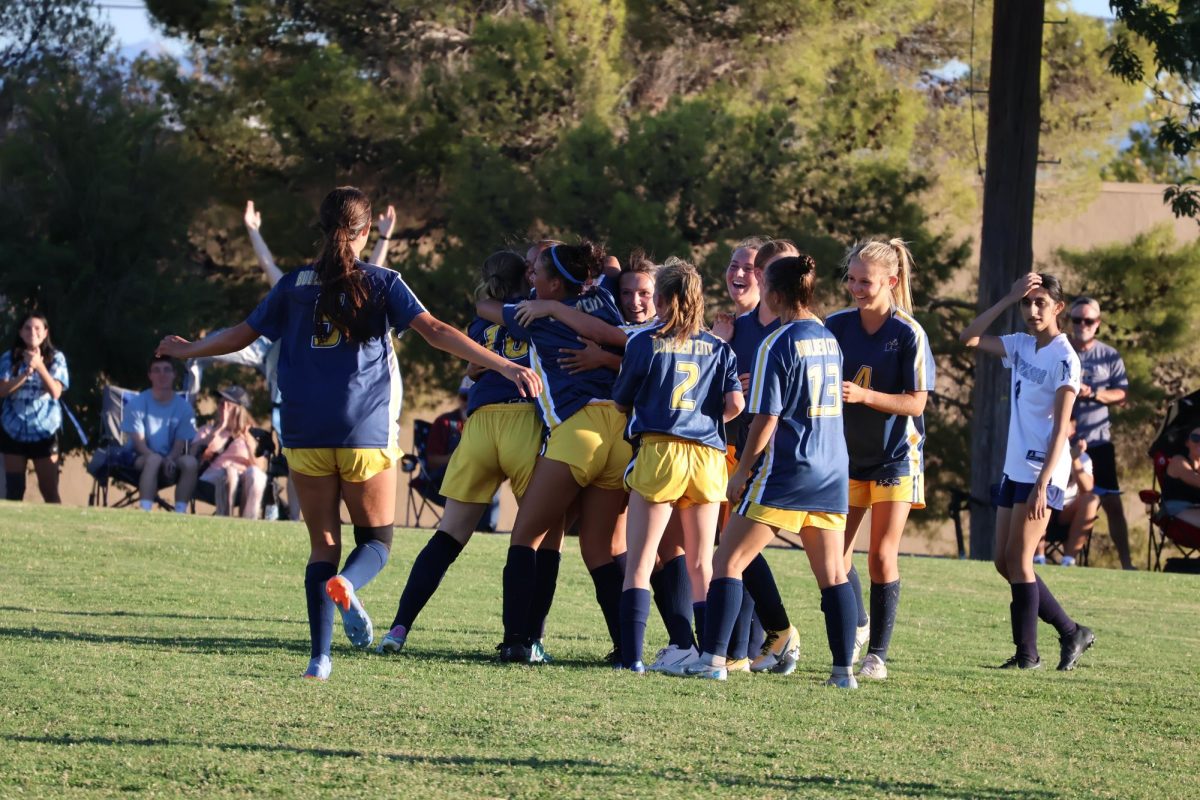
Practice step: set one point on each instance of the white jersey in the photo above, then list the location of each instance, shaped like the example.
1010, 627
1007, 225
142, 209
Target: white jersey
1037, 375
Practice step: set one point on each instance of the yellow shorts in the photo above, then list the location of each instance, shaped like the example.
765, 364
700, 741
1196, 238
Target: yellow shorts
677, 471
790, 519
499, 441
351, 464
905, 489
592, 442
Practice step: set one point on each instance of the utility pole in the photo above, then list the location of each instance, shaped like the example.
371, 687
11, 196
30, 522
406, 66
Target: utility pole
1006, 244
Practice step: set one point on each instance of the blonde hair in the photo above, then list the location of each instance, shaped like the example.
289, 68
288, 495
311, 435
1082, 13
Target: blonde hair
773, 249
681, 293
892, 255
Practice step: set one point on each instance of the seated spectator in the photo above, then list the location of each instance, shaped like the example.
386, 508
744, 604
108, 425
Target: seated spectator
160, 425
226, 450
33, 375
1181, 483
1081, 506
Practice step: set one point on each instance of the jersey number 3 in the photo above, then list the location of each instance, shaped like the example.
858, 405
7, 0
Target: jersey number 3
824, 383
691, 374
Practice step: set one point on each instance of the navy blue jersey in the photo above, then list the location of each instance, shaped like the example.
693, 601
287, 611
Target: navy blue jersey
492, 387
893, 360
748, 334
798, 378
562, 394
337, 393
677, 388
610, 283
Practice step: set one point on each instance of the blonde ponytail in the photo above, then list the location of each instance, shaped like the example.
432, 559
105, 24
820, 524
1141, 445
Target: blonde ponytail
892, 255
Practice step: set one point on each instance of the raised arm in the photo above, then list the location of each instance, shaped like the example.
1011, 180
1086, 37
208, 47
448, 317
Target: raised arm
386, 223
974, 334
266, 261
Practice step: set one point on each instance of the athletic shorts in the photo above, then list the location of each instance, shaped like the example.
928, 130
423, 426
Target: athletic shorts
499, 441
592, 443
351, 464
42, 448
1104, 468
789, 519
1008, 493
682, 472
902, 489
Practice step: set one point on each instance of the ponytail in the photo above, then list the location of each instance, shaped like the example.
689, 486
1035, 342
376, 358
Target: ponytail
344, 296
681, 293
893, 256
503, 275
574, 265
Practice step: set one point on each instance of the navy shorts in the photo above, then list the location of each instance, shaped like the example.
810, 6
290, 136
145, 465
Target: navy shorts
1008, 493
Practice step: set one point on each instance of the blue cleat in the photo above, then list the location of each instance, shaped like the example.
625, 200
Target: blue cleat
393, 640
355, 621
319, 668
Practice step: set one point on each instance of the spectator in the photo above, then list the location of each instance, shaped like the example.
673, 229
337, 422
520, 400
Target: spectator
33, 375
1103, 383
227, 456
444, 436
160, 424
1181, 484
1080, 504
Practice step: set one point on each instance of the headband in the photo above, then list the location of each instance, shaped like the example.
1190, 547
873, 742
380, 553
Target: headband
563, 270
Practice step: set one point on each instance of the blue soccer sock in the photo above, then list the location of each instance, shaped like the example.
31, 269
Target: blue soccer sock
700, 617
619, 559
724, 603
425, 576
768, 605
885, 599
548, 562
520, 577
852, 577
369, 556
840, 622
757, 636
635, 611
320, 607
739, 637
608, 579
673, 597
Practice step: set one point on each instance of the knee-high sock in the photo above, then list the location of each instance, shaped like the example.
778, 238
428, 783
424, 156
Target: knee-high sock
852, 576
700, 617
425, 576
520, 575
757, 636
320, 607
1051, 612
14, 485
840, 621
739, 638
724, 603
619, 559
673, 597
548, 562
768, 605
608, 579
885, 599
369, 556
635, 611
1025, 619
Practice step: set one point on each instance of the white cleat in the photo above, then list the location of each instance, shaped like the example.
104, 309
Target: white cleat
701, 668
873, 668
672, 659
862, 637
842, 678
319, 668
780, 652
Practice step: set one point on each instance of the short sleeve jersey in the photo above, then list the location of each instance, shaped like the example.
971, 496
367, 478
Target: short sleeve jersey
30, 414
1037, 375
336, 392
798, 378
748, 334
160, 424
677, 388
492, 387
894, 360
1100, 367
563, 394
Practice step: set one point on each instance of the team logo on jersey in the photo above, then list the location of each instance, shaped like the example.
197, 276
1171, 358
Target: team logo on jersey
1066, 369
1035, 455
887, 483
892, 347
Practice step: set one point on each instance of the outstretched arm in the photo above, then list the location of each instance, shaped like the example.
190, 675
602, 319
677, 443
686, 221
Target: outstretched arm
453, 341
229, 340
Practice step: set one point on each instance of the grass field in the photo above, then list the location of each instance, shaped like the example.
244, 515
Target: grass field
159, 655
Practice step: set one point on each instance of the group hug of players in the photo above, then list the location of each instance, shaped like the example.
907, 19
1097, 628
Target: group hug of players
678, 451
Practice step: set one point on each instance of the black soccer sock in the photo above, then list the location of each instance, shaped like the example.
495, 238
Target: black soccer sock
608, 579
1025, 619
425, 576
768, 605
520, 577
700, 619
739, 638
548, 562
885, 599
856, 584
1051, 612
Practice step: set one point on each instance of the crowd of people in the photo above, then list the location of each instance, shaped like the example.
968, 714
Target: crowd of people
677, 452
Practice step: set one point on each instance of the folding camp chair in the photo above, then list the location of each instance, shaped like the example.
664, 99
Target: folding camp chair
1057, 533
423, 489
111, 463
1164, 529
206, 492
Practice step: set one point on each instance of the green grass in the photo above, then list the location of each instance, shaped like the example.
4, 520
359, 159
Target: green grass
159, 655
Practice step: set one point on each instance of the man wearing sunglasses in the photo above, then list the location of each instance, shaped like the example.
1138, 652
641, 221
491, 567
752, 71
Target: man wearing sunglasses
1102, 383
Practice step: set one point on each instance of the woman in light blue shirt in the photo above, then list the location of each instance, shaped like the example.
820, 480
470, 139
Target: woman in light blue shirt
33, 375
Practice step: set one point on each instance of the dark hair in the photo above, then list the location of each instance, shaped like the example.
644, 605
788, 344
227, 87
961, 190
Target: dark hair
581, 262
1053, 287
47, 348
793, 280
503, 275
771, 249
164, 359
345, 213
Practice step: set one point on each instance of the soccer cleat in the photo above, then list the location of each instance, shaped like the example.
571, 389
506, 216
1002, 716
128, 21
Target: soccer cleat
355, 621
672, 659
1022, 663
1067, 561
538, 654
737, 664
638, 668
862, 636
780, 651
513, 653
1073, 647
613, 659
393, 640
845, 681
319, 668
873, 668
700, 668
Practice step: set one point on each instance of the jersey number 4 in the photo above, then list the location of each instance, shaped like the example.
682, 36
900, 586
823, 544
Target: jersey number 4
825, 390
863, 377
690, 372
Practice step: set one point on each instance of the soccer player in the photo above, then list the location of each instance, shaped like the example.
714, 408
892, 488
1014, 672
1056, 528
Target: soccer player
341, 398
679, 383
1045, 381
585, 453
791, 475
889, 373
500, 441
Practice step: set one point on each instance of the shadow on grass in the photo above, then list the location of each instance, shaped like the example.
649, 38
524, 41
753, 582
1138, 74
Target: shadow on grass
194, 644
851, 786
149, 615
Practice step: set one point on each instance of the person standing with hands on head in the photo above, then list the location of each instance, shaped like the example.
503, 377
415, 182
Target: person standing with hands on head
160, 425
341, 400
1103, 383
33, 375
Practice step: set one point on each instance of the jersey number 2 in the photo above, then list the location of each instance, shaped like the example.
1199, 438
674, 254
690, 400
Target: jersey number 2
823, 381
691, 374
